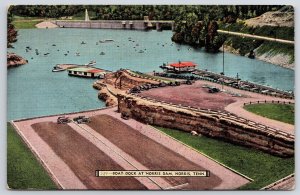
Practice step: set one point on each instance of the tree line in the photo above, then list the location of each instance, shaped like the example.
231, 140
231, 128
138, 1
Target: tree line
136, 12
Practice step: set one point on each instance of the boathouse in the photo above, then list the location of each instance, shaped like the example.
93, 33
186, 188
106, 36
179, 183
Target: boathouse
87, 72
180, 67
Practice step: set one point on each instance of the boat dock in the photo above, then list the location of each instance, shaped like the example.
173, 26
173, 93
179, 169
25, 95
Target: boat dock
87, 72
244, 85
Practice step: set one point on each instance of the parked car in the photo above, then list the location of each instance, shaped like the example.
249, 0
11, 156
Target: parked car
213, 90
81, 119
63, 120
125, 116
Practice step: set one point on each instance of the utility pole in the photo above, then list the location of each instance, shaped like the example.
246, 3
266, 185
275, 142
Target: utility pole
223, 70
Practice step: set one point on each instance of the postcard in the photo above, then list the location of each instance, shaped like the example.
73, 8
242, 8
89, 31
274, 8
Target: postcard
150, 97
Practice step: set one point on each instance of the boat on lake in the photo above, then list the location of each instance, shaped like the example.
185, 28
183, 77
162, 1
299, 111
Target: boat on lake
91, 63
57, 69
106, 41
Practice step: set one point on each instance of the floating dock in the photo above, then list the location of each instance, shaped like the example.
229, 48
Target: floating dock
88, 72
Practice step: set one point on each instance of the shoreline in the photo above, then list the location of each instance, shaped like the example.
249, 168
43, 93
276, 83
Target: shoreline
265, 58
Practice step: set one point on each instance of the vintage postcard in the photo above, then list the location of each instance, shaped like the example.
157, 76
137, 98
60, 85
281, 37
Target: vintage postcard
150, 97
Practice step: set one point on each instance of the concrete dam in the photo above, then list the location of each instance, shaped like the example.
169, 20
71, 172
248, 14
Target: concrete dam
117, 24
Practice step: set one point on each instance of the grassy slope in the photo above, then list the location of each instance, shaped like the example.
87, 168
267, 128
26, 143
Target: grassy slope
26, 24
23, 170
263, 168
280, 112
272, 48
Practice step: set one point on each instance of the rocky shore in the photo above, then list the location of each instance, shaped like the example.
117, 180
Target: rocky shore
14, 60
278, 59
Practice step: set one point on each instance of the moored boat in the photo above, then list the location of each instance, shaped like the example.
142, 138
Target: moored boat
91, 63
57, 69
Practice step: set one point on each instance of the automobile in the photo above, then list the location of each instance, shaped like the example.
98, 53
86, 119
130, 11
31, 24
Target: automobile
213, 90
154, 85
125, 116
134, 90
188, 82
177, 83
63, 120
162, 84
81, 119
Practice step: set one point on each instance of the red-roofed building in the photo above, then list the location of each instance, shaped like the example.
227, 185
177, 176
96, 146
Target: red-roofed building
180, 67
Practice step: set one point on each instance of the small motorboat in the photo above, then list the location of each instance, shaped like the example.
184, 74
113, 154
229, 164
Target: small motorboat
141, 51
102, 53
53, 45
77, 54
106, 40
57, 69
91, 63
82, 42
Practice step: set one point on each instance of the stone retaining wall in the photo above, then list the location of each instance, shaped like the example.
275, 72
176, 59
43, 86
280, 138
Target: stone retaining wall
211, 125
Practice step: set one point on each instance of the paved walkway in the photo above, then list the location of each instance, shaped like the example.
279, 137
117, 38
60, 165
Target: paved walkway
230, 180
58, 169
119, 156
63, 175
287, 183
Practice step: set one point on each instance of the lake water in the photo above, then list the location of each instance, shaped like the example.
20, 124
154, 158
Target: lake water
34, 90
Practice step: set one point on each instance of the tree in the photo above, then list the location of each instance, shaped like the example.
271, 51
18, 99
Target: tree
11, 31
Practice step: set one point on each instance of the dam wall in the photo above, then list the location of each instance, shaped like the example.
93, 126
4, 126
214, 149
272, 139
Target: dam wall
114, 24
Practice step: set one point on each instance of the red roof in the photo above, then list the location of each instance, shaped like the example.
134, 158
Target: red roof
94, 71
183, 64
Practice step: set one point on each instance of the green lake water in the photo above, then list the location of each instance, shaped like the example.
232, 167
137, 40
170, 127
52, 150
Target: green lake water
33, 90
